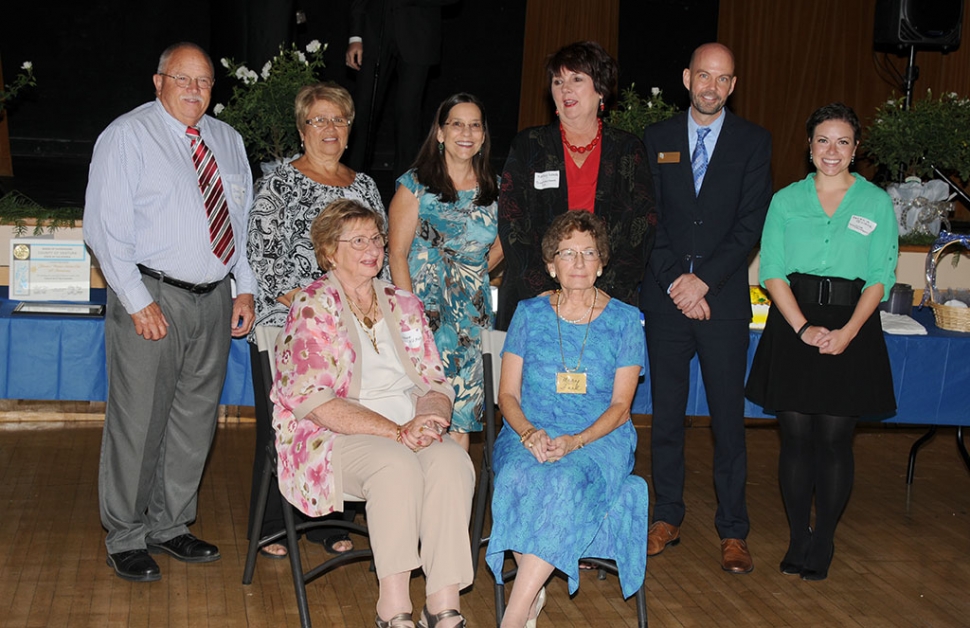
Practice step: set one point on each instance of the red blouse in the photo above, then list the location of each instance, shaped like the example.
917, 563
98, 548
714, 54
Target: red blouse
581, 180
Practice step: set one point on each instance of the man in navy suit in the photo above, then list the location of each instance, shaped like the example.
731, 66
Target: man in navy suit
712, 178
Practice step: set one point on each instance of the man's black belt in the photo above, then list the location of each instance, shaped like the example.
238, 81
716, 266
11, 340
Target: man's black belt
195, 288
815, 290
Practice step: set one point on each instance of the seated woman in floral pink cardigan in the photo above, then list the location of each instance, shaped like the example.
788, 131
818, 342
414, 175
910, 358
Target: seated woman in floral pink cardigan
361, 404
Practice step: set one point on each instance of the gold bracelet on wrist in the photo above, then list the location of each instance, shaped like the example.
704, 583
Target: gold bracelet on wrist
526, 434
582, 442
398, 438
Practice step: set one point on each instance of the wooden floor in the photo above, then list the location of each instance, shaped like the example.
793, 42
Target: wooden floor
902, 558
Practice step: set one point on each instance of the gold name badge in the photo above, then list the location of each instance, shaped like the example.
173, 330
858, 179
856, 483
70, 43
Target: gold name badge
669, 157
571, 383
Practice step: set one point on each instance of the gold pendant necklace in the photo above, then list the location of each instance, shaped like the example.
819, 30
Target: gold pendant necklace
365, 320
570, 380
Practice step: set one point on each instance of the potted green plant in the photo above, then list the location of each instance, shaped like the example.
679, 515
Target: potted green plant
635, 113
261, 105
929, 139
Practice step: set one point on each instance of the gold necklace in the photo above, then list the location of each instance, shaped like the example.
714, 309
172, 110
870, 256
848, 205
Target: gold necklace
366, 321
570, 380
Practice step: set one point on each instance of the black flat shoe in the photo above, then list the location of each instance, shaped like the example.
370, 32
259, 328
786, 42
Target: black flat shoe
821, 572
790, 568
135, 566
794, 561
187, 549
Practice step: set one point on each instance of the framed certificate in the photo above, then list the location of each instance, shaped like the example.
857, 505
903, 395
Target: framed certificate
60, 309
49, 270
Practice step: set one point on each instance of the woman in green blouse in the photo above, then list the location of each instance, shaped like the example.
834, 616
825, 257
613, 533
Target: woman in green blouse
828, 257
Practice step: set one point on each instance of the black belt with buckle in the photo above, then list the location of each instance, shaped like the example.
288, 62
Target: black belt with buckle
815, 290
194, 288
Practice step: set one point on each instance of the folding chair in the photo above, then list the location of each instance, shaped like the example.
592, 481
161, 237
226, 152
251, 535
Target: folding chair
266, 343
492, 343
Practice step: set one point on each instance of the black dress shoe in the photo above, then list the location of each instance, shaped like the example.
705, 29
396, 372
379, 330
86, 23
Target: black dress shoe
187, 549
135, 566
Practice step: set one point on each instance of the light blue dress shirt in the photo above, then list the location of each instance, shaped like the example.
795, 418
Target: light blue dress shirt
143, 204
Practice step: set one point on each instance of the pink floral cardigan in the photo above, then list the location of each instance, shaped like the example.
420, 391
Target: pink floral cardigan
315, 359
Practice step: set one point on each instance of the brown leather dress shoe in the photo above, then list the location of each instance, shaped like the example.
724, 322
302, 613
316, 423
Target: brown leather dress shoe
660, 535
735, 556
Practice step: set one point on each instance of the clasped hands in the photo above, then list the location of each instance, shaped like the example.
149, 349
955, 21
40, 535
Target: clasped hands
547, 449
688, 293
829, 342
423, 430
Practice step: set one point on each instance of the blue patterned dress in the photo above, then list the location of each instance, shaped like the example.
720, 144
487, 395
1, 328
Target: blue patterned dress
448, 264
587, 504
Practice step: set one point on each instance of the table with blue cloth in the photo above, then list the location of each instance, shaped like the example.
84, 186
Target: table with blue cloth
61, 357
931, 375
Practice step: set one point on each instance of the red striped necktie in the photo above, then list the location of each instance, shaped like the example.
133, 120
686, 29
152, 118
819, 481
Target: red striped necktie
214, 197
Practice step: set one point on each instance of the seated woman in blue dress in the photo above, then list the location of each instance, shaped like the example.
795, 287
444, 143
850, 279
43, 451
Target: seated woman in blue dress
564, 458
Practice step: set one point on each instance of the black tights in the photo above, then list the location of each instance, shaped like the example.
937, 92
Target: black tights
816, 457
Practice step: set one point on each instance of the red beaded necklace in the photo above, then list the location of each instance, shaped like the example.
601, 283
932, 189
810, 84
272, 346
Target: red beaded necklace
583, 149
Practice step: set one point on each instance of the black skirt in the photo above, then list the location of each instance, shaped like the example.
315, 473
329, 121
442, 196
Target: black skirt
789, 375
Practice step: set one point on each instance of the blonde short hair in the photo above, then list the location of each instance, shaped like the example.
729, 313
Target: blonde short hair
329, 91
327, 227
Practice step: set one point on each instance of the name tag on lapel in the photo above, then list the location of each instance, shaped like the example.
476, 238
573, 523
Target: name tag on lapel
669, 157
548, 179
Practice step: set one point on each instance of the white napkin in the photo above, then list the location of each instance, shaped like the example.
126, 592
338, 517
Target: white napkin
901, 325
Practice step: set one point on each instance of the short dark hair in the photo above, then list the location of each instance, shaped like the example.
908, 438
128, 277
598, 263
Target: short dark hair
834, 111
326, 227
564, 225
429, 165
589, 58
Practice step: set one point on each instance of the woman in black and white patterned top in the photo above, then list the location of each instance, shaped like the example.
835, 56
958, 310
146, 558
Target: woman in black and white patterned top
280, 251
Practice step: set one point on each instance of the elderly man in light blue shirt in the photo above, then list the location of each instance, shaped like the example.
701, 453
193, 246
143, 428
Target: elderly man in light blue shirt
165, 214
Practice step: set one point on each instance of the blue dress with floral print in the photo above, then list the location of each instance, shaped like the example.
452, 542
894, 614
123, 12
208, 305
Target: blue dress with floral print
586, 504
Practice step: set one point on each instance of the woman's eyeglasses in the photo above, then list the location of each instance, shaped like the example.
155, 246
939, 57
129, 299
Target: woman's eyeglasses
360, 243
568, 255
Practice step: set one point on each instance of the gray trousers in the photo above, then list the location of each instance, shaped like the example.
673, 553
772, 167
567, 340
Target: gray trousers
163, 402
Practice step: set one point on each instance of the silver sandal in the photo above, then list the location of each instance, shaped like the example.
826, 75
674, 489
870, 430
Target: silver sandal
430, 621
401, 620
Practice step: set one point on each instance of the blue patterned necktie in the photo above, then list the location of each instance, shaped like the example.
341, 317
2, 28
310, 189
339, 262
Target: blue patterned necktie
698, 162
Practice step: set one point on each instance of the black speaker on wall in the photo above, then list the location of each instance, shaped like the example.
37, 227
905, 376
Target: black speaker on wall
926, 24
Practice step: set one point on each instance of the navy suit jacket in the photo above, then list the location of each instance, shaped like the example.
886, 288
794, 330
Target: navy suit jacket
717, 229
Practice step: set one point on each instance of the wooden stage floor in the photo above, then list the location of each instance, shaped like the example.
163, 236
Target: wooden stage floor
902, 557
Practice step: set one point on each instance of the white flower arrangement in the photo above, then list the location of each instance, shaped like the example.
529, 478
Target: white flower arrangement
261, 107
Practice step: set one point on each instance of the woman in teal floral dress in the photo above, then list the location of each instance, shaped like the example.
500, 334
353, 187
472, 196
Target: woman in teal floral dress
443, 242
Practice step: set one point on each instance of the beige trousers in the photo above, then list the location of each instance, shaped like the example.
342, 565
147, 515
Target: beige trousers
412, 498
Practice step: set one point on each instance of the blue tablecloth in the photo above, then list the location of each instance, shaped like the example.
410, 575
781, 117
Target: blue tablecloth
931, 378
62, 358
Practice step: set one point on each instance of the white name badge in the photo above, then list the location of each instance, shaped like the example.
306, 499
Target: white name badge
412, 338
544, 180
861, 225
238, 193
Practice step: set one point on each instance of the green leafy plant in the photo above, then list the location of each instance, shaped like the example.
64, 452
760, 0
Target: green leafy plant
932, 132
635, 113
17, 209
24, 79
261, 106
